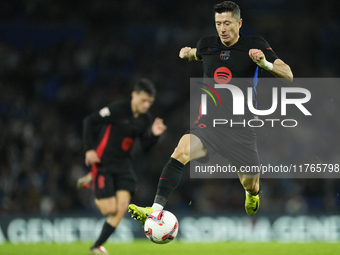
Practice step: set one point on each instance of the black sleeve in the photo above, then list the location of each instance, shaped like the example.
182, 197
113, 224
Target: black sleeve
106, 115
262, 44
147, 139
198, 49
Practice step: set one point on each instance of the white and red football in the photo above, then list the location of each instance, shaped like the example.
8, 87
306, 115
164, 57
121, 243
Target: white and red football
161, 227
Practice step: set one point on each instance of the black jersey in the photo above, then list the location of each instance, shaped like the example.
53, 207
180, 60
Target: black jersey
231, 65
216, 55
121, 129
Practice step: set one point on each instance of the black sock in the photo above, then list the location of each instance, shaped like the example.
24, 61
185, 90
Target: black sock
169, 180
105, 234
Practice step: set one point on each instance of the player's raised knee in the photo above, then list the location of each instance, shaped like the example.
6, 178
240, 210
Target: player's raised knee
182, 154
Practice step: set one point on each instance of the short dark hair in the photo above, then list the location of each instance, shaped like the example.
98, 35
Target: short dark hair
228, 6
145, 85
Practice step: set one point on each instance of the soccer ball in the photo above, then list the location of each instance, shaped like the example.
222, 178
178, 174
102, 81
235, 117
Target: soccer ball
161, 227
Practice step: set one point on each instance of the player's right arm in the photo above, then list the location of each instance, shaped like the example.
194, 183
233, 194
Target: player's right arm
189, 53
105, 116
91, 157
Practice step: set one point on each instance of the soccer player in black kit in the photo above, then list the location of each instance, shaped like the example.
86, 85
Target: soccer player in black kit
113, 177
237, 56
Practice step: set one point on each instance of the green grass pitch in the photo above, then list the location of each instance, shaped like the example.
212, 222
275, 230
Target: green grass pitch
176, 248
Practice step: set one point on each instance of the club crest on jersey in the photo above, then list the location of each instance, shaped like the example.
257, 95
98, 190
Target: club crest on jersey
225, 54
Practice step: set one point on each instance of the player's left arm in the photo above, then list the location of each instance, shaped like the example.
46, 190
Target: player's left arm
158, 127
151, 134
278, 68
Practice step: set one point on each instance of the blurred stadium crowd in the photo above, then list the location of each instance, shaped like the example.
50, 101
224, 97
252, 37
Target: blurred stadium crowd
61, 60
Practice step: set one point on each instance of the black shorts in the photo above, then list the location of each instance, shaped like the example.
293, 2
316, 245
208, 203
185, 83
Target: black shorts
110, 178
238, 145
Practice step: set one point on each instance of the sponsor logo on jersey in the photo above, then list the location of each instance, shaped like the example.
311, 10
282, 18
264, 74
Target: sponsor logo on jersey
225, 54
222, 75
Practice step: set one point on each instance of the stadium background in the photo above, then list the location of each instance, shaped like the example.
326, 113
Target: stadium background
61, 60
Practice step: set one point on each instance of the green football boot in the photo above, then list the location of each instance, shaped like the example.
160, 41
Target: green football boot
84, 182
140, 213
252, 204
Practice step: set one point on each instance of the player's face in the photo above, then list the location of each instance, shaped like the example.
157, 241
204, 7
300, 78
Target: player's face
141, 101
227, 28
